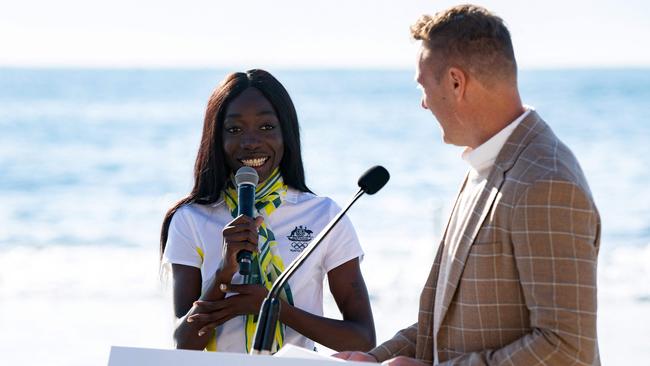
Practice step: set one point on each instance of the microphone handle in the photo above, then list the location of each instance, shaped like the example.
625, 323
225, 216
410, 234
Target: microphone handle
246, 201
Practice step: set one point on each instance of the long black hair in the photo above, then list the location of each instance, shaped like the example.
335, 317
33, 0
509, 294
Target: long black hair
210, 169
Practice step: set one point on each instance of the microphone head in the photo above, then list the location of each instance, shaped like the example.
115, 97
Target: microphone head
246, 175
374, 179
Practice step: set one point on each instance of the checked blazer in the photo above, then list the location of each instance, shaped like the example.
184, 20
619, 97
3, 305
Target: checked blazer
522, 284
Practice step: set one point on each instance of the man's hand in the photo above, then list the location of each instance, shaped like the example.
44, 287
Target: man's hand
355, 356
366, 357
403, 361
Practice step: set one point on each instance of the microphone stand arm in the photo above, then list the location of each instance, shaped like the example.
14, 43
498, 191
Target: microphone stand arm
270, 309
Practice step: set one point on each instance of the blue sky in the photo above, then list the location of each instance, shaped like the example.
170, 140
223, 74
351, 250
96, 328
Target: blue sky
307, 34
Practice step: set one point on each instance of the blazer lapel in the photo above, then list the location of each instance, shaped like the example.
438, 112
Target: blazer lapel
515, 144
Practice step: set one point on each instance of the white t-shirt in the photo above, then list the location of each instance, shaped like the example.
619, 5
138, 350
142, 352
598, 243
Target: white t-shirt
195, 239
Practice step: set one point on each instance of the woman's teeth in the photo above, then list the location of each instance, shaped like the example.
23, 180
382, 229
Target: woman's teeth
254, 163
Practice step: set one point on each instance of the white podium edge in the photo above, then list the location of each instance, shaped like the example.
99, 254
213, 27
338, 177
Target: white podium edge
135, 356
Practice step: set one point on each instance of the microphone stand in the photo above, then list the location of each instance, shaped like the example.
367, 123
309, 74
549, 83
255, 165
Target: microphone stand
270, 309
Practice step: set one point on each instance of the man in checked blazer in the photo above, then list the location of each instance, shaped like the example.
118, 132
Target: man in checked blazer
514, 278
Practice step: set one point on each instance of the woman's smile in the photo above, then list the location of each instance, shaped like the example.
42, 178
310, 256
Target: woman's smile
254, 162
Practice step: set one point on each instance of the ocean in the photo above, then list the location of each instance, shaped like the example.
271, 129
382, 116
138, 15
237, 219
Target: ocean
90, 160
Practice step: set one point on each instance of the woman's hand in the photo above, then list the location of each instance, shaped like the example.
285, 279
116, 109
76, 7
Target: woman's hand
214, 313
240, 234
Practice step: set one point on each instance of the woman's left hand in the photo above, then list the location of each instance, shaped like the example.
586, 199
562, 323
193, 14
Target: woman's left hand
248, 300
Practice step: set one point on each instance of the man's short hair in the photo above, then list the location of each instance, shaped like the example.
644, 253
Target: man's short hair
470, 37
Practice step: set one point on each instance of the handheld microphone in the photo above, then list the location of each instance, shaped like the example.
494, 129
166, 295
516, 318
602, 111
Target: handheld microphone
246, 179
370, 182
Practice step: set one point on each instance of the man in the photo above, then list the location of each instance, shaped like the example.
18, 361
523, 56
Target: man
514, 279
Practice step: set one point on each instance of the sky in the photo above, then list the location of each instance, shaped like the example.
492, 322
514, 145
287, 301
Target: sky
242, 34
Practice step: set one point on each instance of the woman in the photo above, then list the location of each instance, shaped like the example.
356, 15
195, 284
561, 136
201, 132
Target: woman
251, 121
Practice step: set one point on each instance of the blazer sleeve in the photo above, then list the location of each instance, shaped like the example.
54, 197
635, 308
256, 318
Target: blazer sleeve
402, 344
555, 237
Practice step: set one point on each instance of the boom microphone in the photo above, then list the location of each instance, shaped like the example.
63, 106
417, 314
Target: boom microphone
373, 179
370, 182
246, 179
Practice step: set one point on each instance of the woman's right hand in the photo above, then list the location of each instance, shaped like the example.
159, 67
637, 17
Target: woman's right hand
240, 234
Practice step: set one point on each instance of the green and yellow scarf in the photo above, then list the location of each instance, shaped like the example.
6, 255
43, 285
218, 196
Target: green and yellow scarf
267, 265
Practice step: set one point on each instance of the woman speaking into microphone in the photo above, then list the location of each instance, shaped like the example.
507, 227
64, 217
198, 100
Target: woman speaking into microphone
250, 121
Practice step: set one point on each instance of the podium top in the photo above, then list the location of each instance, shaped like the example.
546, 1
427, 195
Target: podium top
131, 356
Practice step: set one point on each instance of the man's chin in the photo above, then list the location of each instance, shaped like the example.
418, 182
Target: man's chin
447, 140
452, 141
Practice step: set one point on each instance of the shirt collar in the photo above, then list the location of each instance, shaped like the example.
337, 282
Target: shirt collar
482, 158
292, 195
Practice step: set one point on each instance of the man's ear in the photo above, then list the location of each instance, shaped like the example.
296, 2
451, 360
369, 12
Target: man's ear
458, 81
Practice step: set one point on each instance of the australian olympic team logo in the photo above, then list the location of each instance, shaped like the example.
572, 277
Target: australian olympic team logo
300, 238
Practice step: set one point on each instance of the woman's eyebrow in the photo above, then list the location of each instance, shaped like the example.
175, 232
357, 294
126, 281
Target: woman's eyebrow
266, 113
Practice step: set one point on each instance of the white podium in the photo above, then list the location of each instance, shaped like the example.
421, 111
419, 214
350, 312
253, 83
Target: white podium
128, 356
